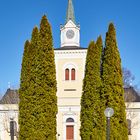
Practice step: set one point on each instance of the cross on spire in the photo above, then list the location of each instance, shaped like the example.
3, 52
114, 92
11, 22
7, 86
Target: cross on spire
70, 12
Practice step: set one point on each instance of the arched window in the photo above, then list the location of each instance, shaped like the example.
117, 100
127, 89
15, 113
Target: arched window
70, 120
72, 74
66, 74
129, 126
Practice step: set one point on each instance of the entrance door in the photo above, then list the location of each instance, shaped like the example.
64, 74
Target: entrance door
69, 132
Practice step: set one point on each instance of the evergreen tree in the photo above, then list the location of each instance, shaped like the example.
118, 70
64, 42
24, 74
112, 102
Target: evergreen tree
112, 90
41, 95
101, 116
26, 118
23, 91
45, 109
91, 124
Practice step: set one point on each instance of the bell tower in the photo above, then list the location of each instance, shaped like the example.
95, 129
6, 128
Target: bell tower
70, 31
70, 66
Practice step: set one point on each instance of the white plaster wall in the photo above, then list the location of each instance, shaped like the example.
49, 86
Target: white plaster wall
5, 120
63, 114
133, 113
69, 101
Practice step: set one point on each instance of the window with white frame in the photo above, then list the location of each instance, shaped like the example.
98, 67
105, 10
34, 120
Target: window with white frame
70, 120
70, 72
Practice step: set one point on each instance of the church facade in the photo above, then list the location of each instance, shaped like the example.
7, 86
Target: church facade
70, 62
70, 66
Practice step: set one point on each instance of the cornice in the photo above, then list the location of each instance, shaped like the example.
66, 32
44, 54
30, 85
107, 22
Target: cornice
69, 53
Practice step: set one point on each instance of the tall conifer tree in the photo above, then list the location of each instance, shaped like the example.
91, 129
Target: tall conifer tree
45, 82
112, 90
90, 101
42, 91
23, 92
27, 89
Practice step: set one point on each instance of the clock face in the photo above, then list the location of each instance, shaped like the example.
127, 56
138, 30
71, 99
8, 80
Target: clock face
70, 34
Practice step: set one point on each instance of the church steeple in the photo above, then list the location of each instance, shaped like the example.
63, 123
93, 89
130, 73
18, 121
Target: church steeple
70, 12
70, 32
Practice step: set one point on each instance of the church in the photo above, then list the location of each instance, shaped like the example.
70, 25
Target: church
70, 60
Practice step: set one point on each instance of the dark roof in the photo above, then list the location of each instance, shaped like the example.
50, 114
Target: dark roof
70, 48
131, 95
11, 97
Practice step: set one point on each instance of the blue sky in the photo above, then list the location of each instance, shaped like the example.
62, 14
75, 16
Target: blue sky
18, 17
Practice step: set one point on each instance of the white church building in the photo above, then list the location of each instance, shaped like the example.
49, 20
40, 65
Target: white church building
70, 66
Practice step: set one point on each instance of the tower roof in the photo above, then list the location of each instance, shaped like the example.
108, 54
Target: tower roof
70, 12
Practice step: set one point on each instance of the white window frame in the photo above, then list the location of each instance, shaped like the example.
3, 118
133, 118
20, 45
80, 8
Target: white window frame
70, 66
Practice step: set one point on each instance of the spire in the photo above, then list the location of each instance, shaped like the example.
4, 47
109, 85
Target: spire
70, 12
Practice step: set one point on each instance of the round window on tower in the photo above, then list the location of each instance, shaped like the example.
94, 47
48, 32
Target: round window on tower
70, 34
